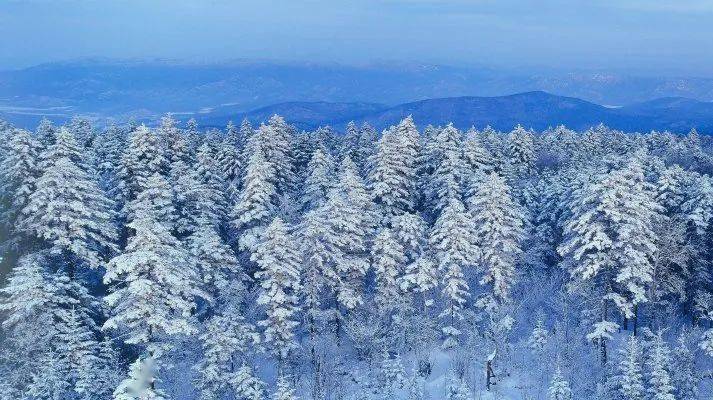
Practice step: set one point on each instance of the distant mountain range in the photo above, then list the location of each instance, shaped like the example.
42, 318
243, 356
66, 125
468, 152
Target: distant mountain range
537, 110
310, 95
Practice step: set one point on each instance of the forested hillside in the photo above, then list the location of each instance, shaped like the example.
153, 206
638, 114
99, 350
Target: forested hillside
426, 262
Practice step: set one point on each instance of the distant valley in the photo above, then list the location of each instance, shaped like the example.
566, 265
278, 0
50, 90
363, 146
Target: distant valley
310, 95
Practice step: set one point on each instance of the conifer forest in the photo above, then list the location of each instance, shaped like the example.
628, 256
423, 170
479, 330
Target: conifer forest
256, 262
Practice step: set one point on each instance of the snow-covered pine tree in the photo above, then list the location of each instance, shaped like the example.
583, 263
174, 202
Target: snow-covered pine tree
321, 252
82, 130
140, 384
368, 139
154, 282
68, 209
392, 376
521, 153
276, 140
257, 204
45, 133
420, 275
499, 229
388, 261
246, 386
609, 241
206, 196
683, 370
284, 389
353, 217
631, 383
229, 155
538, 337
319, 180
144, 157
477, 158
181, 160
193, 134
279, 277
443, 168
392, 177
20, 166
350, 142
226, 340
457, 389
658, 379
49, 317
559, 387
452, 240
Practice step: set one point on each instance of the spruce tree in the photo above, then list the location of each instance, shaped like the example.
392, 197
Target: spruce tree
631, 384
154, 282
559, 387
279, 278
453, 243
68, 209
658, 378
257, 204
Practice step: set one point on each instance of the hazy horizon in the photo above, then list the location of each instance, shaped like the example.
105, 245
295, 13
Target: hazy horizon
632, 37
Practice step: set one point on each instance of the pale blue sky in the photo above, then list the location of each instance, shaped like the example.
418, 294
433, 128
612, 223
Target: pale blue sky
639, 36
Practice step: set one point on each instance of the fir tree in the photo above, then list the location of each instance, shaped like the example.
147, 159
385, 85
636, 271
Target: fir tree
284, 390
683, 370
392, 177
67, 208
499, 230
388, 260
319, 181
277, 257
257, 203
631, 384
141, 382
559, 387
452, 241
154, 282
20, 166
658, 378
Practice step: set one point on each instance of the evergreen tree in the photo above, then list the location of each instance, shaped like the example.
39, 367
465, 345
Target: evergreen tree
453, 242
521, 151
319, 181
45, 133
229, 155
246, 386
352, 215
154, 282
226, 340
609, 241
538, 338
658, 378
143, 158
277, 257
284, 390
257, 204
388, 260
499, 230
141, 382
683, 370
392, 177
559, 387
67, 208
20, 166
631, 384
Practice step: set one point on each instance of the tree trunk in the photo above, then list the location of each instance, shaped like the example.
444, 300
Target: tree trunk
489, 374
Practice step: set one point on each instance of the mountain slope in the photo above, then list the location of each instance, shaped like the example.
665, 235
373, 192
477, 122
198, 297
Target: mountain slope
142, 89
537, 110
